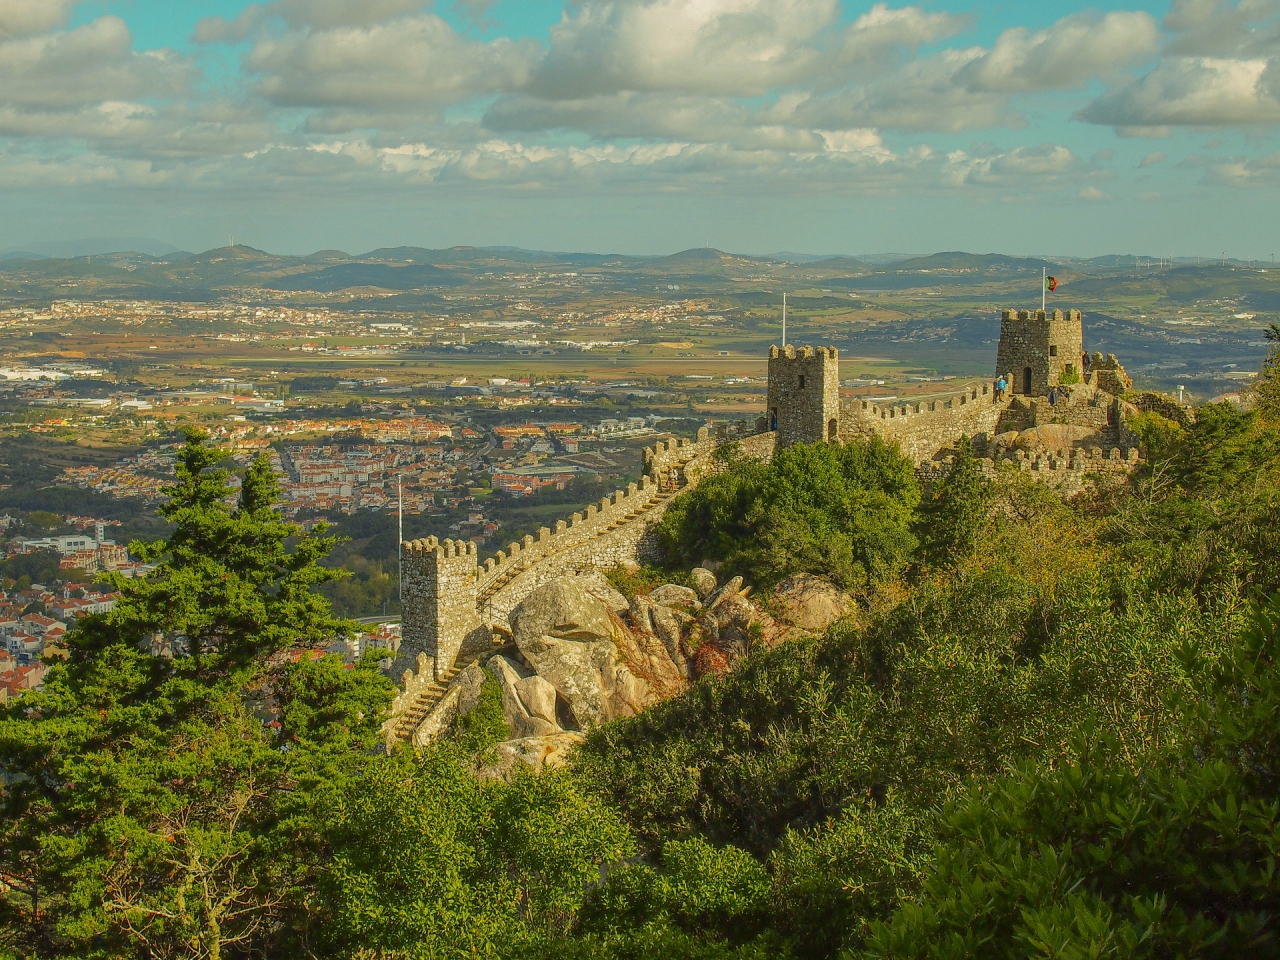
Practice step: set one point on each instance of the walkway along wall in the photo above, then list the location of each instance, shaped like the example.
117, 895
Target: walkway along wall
452, 603
922, 427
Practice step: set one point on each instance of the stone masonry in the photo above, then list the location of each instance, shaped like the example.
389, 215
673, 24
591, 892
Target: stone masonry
804, 394
1039, 350
439, 600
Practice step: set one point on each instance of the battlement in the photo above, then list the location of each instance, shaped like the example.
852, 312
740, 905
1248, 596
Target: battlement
439, 599
921, 427
804, 394
667, 455
976, 394
1040, 349
611, 512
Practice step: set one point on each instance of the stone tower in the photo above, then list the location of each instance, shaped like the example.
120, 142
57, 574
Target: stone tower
1039, 350
439, 600
804, 394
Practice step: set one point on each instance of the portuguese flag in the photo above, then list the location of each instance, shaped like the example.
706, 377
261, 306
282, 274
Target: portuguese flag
1051, 284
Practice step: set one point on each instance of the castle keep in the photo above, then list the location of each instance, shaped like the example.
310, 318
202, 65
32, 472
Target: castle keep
804, 394
1039, 350
454, 605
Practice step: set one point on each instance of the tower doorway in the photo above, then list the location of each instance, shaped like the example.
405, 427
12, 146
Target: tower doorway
833, 431
773, 419
1026, 381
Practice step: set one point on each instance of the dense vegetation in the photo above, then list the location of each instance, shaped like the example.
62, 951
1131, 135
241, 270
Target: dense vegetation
844, 511
1051, 730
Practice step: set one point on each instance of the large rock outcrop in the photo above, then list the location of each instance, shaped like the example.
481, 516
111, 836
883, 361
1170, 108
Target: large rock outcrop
566, 634
583, 655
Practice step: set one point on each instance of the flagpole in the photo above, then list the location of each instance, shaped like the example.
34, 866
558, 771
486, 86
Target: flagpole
784, 319
1044, 284
400, 537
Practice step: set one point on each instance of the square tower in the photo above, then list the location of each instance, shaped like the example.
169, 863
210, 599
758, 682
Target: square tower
804, 394
439, 600
1039, 350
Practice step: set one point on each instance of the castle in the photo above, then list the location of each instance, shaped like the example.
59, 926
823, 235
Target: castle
1061, 417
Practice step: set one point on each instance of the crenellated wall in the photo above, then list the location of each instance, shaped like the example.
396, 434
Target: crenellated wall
450, 597
1068, 475
922, 427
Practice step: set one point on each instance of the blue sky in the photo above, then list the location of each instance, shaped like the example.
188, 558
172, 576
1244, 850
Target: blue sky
645, 125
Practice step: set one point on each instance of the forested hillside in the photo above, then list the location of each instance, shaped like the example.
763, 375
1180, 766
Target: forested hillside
1050, 730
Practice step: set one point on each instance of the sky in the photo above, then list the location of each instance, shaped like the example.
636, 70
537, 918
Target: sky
645, 126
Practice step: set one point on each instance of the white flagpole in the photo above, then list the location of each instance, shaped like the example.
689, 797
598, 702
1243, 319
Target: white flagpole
1044, 280
400, 538
784, 319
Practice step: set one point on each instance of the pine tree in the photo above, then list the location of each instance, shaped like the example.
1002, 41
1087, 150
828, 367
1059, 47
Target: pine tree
147, 809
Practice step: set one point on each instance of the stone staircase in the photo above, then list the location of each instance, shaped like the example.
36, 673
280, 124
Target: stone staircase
408, 721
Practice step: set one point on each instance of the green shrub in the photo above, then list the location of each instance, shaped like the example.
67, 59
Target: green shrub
486, 725
843, 512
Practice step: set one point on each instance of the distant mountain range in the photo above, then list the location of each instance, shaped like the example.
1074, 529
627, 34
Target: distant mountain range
418, 276
95, 246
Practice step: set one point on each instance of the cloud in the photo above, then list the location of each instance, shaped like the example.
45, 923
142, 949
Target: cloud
1245, 171
1093, 193
1219, 27
473, 10
1189, 91
22, 18
727, 47
414, 61
90, 64
924, 94
1072, 52
1045, 165
1151, 159
221, 30
309, 14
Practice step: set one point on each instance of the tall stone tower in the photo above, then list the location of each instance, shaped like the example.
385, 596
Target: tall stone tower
804, 394
1039, 350
439, 601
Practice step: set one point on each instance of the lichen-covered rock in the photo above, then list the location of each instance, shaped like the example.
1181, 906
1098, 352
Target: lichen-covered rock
674, 595
730, 589
521, 721
538, 697
598, 585
540, 753
563, 608
1055, 437
569, 639
810, 603
703, 581
648, 656
735, 617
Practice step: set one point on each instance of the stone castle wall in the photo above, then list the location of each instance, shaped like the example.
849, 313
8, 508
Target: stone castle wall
450, 598
922, 427
1069, 475
439, 600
